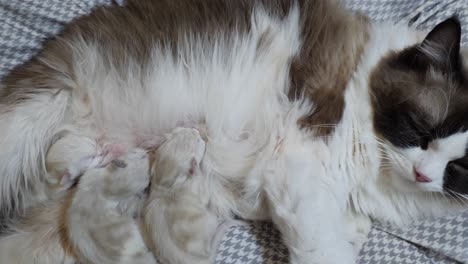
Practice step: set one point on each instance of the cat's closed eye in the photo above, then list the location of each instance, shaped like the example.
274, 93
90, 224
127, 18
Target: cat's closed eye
424, 142
420, 131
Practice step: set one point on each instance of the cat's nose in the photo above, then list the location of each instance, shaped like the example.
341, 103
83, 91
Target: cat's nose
421, 177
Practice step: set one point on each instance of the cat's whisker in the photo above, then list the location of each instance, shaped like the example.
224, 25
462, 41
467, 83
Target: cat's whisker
454, 199
461, 198
461, 201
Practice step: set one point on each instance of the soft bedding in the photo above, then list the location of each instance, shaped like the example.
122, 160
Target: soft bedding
25, 24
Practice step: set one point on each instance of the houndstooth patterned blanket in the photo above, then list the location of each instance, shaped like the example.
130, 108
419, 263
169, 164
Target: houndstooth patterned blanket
24, 24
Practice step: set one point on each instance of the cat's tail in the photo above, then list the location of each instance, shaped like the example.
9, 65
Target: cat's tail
35, 238
32, 108
22, 247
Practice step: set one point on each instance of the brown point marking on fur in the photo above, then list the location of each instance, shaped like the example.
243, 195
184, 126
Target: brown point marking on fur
123, 34
63, 224
333, 43
412, 99
48, 72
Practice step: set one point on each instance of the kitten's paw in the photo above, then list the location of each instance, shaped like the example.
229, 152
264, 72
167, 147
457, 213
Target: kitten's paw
76, 169
188, 143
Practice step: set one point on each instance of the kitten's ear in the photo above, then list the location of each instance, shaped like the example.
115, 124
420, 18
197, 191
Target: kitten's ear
119, 163
67, 181
442, 44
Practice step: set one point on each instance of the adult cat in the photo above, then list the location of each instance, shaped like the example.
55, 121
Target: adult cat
311, 113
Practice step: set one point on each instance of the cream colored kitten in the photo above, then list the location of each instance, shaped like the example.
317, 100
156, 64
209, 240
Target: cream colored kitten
39, 235
72, 154
101, 224
94, 222
177, 216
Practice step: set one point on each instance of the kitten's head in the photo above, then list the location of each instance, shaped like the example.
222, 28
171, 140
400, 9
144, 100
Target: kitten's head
128, 175
420, 100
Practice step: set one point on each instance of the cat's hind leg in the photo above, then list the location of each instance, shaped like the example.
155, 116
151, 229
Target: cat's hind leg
27, 127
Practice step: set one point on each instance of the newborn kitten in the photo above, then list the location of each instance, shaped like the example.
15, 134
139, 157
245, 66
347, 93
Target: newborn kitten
38, 234
95, 221
101, 226
179, 223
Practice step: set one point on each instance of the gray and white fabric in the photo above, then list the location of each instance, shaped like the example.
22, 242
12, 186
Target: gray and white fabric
252, 243
443, 240
25, 24
422, 14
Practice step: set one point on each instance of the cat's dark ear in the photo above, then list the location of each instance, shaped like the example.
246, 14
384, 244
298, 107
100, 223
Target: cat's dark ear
442, 44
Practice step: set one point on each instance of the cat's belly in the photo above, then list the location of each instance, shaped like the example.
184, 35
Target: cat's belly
234, 85
232, 90
237, 128
241, 112
233, 93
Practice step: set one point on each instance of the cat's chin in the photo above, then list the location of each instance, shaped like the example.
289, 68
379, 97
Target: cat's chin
405, 182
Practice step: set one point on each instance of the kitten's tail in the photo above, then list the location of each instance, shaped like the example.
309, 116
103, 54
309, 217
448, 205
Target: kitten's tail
29, 119
22, 247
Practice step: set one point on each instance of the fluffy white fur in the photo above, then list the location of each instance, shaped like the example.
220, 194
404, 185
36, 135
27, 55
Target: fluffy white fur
25, 158
255, 153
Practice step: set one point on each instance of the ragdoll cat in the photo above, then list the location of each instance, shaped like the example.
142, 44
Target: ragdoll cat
94, 221
177, 216
316, 118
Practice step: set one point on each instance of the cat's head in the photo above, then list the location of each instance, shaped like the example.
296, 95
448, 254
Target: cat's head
420, 101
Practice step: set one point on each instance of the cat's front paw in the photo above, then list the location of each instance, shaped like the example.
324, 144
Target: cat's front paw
357, 231
341, 253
